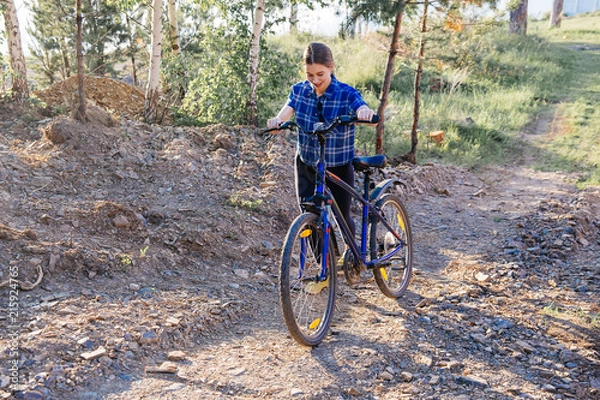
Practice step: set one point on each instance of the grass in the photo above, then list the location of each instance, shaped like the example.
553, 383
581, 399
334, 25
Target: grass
517, 81
510, 81
584, 317
576, 147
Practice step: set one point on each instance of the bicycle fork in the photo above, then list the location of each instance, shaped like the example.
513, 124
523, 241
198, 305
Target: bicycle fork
307, 240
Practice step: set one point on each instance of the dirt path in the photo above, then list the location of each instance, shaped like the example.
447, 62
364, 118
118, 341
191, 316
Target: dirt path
504, 301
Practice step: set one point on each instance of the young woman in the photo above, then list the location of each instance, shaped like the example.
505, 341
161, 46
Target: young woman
321, 98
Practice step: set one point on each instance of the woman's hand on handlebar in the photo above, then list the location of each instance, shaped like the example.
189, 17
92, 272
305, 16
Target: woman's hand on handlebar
364, 113
274, 123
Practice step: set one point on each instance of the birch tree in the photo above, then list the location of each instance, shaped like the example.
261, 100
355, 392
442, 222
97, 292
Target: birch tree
293, 16
557, 11
254, 57
174, 29
20, 90
152, 94
518, 17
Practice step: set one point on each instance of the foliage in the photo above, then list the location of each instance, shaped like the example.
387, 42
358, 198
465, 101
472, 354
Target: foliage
218, 89
480, 85
500, 82
103, 28
54, 33
53, 30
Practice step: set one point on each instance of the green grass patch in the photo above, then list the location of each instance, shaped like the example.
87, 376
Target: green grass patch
575, 143
581, 316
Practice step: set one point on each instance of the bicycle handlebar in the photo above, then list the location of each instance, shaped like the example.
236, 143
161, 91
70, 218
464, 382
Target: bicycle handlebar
323, 128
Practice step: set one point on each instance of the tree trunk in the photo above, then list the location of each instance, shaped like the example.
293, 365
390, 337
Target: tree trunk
65, 57
81, 111
20, 90
174, 28
518, 19
414, 132
387, 82
151, 101
293, 16
557, 10
132, 48
253, 69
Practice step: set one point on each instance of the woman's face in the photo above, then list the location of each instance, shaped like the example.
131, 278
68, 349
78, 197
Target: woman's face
319, 76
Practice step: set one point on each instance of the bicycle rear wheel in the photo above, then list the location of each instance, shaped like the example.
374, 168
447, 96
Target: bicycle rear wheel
393, 276
307, 297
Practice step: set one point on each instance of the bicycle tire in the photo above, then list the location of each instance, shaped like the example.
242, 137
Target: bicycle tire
307, 310
394, 277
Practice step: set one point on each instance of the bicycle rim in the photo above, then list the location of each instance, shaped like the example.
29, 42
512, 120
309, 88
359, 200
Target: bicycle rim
307, 301
392, 277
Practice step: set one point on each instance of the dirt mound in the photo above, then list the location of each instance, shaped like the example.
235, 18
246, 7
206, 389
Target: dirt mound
118, 97
160, 245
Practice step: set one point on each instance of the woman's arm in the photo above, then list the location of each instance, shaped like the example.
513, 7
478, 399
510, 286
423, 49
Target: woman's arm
285, 114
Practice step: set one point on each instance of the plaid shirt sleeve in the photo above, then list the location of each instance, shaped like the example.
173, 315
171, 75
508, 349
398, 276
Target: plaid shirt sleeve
338, 99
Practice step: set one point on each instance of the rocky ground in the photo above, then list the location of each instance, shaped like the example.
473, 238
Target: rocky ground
140, 262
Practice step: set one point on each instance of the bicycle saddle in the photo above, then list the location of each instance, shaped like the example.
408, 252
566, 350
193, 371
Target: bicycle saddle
364, 163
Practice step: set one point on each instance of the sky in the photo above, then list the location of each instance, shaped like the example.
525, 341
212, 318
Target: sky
322, 21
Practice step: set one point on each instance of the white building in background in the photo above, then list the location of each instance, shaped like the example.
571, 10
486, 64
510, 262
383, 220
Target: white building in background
572, 7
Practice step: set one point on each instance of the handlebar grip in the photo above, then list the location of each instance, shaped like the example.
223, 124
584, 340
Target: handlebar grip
375, 118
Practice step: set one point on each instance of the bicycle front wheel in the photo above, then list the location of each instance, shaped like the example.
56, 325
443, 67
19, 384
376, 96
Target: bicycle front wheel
307, 294
392, 276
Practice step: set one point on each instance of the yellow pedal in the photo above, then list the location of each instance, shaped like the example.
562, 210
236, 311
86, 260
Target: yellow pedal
315, 324
305, 233
384, 274
401, 222
316, 287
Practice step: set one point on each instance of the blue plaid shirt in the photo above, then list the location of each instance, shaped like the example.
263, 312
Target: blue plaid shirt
338, 99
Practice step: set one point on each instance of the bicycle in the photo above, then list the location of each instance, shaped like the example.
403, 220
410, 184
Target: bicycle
308, 273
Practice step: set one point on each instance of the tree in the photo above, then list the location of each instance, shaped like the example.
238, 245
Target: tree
411, 156
381, 11
103, 29
53, 34
20, 89
253, 67
293, 16
173, 28
518, 17
152, 95
81, 112
387, 83
557, 11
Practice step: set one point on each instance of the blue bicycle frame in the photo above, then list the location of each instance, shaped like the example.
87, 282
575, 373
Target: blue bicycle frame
325, 204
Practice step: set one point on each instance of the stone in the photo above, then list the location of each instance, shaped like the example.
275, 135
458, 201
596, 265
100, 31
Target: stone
176, 355
105, 360
33, 395
148, 337
406, 376
121, 221
90, 355
386, 376
472, 380
166, 367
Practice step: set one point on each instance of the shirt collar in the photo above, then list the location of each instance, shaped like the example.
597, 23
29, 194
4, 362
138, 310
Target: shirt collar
330, 89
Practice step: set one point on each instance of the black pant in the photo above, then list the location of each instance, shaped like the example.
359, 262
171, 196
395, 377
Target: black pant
305, 186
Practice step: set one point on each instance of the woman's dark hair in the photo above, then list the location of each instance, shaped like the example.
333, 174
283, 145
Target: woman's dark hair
317, 53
